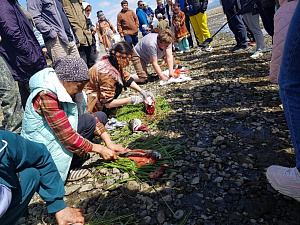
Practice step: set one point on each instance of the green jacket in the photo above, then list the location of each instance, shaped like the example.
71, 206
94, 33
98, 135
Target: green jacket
74, 12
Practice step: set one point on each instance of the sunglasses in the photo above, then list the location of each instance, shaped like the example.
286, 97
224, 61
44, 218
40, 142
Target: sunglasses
141, 5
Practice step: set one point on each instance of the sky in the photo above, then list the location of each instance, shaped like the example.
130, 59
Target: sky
111, 8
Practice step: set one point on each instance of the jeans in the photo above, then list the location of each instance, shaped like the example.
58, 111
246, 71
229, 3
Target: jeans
132, 40
236, 25
289, 82
21, 196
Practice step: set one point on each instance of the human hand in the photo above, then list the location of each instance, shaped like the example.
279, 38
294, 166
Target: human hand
105, 153
172, 74
146, 94
69, 215
135, 100
44, 50
121, 35
115, 147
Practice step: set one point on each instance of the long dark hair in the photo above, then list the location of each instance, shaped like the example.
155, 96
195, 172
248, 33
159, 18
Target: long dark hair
123, 48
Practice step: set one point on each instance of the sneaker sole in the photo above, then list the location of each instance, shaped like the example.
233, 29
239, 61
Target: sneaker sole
78, 175
282, 190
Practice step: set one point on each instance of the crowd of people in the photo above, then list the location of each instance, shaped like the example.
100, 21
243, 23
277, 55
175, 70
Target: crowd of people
58, 110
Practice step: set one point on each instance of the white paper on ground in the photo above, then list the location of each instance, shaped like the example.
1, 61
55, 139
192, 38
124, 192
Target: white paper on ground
181, 78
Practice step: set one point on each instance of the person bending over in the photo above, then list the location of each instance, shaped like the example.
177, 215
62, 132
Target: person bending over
150, 48
109, 77
55, 116
27, 167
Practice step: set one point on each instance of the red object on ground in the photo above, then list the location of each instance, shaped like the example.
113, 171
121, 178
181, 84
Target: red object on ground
142, 157
150, 107
159, 172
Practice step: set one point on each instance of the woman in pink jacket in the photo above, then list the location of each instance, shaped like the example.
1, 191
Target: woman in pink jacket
282, 21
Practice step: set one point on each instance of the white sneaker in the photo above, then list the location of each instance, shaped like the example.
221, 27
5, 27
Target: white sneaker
208, 49
187, 50
257, 54
180, 52
200, 49
285, 180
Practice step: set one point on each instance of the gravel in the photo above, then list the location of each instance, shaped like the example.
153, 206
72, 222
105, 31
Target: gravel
230, 122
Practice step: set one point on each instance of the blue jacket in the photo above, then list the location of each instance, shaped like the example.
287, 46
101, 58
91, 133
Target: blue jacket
19, 47
142, 18
18, 154
36, 128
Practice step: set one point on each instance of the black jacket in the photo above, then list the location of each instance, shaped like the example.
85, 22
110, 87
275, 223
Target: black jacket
198, 6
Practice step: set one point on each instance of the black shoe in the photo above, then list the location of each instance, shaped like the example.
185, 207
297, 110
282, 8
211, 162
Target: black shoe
239, 48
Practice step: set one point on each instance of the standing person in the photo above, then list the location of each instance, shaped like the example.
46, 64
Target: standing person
128, 24
143, 23
183, 8
152, 47
10, 100
283, 179
252, 21
162, 24
19, 47
160, 9
282, 21
87, 9
236, 25
149, 13
55, 116
73, 9
105, 30
27, 167
181, 33
266, 9
109, 77
198, 19
51, 20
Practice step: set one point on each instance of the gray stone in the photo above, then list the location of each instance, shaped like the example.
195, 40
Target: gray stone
160, 217
178, 214
85, 188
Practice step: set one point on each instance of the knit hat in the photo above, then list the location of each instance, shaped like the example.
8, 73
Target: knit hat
145, 4
71, 68
159, 16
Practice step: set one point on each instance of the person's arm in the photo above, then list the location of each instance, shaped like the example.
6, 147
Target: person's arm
136, 20
182, 21
169, 57
74, 20
157, 69
28, 154
119, 25
48, 105
40, 39
34, 7
59, 123
112, 27
99, 32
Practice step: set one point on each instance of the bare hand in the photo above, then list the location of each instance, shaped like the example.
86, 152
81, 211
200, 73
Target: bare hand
164, 78
44, 50
69, 215
172, 74
115, 147
57, 38
105, 153
121, 34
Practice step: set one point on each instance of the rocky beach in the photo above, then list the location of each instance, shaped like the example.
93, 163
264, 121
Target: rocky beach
229, 125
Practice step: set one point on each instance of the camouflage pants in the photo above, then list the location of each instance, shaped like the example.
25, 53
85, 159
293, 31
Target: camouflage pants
11, 100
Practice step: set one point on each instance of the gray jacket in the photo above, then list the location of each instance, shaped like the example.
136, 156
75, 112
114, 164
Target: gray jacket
47, 19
